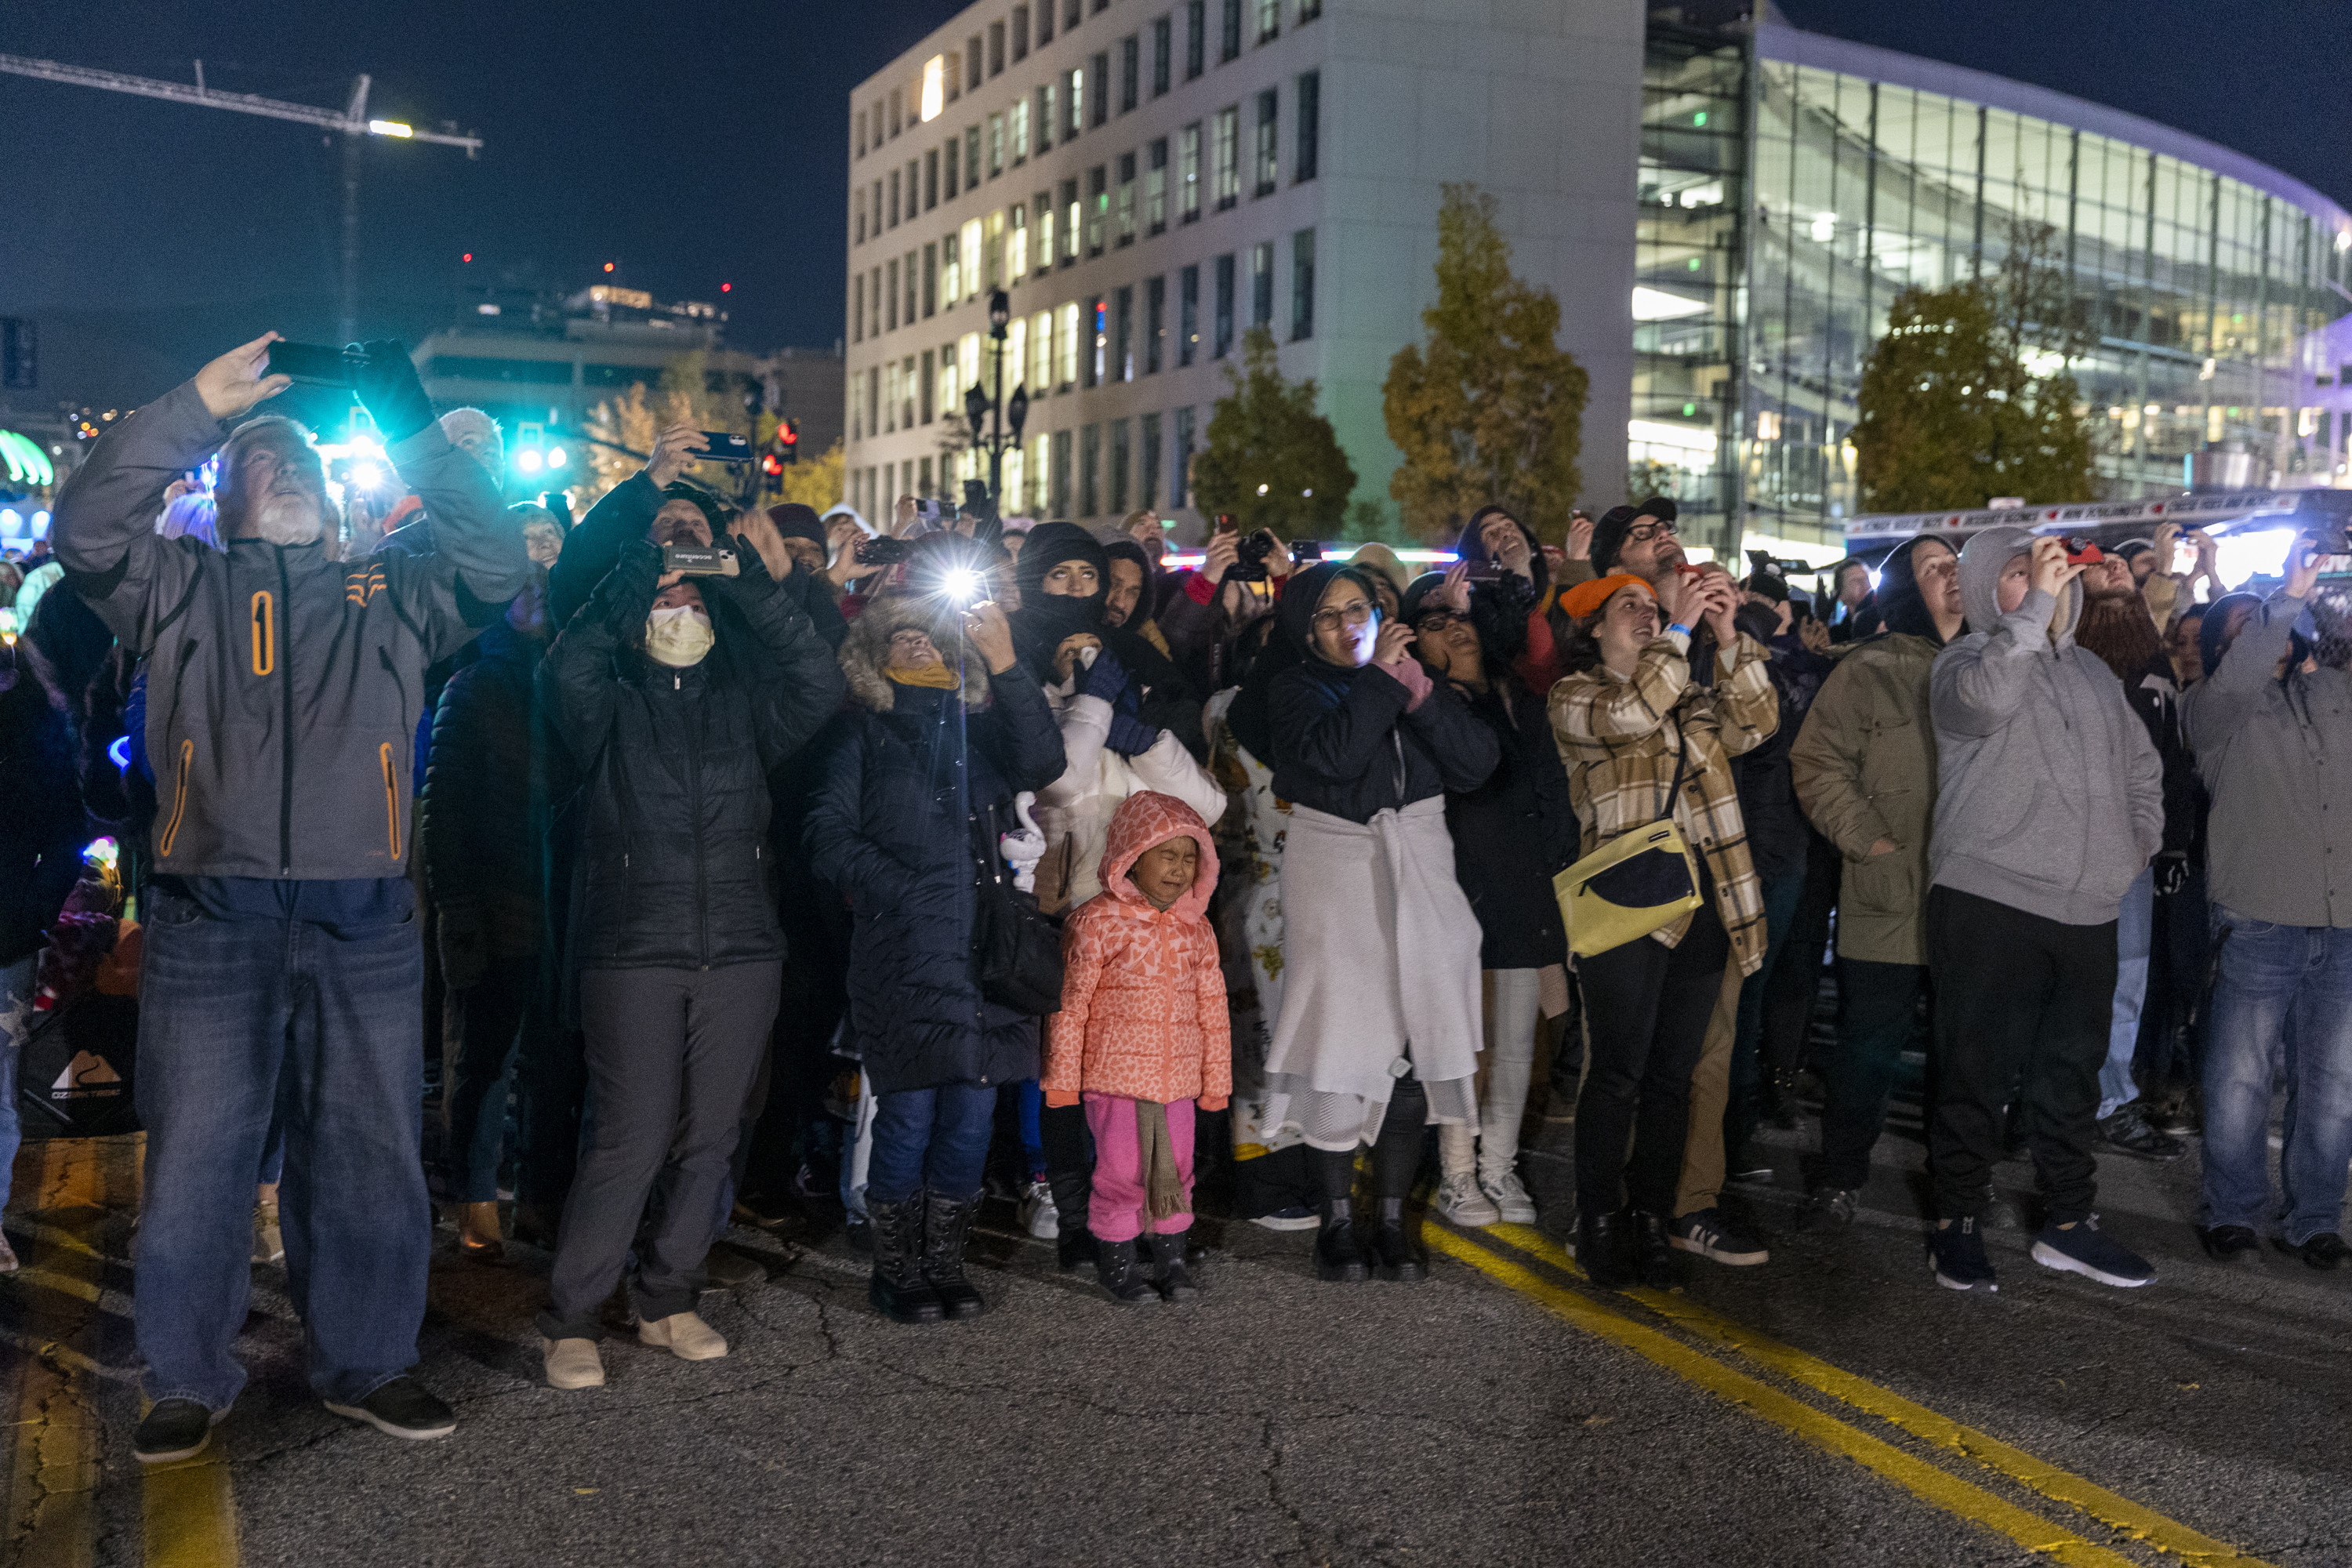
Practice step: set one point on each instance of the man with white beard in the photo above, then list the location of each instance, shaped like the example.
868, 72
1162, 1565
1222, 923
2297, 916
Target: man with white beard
282, 960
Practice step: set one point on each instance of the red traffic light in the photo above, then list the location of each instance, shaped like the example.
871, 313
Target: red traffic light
772, 465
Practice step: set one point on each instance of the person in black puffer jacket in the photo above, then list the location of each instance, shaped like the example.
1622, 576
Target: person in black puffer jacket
886, 827
676, 700
1510, 835
1379, 1029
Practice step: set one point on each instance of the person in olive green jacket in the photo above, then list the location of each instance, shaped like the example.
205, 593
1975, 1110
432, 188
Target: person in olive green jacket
1864, 770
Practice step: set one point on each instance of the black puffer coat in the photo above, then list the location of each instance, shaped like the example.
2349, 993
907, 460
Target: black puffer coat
673, 870
41, 826
1513, 832
882, 828
482, 823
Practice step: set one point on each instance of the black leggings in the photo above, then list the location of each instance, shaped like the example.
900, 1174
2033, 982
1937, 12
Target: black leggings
1396, 1155
1646, 1008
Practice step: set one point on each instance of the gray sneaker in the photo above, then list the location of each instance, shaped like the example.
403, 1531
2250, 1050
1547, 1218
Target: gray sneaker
1460, 1201
1509, 1196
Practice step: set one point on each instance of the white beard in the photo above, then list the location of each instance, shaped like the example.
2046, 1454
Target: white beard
287, 520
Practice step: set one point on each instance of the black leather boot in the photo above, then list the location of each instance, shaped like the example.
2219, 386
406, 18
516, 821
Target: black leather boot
896, 1289
1338, 1256
1601, 1249
946, 1224
1654, 1258
1121, 1273
1171, 1269
1392, 1249
1071, 1191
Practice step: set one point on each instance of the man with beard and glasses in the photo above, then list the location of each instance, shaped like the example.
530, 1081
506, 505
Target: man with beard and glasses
2116, 626
282, 965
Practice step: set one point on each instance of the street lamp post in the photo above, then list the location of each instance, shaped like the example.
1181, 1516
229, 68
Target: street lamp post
981, 409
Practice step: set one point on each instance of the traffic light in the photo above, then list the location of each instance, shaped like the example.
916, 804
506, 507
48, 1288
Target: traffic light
788, 441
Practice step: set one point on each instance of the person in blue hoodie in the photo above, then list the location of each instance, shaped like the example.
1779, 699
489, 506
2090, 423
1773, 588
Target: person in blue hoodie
2049, 803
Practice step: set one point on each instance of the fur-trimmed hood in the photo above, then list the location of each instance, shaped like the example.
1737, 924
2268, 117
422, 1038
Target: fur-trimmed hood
866, 651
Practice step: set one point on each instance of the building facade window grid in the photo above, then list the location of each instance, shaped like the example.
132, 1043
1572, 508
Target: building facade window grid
1225, 158
1148, 447
1179, 469
1163, 43
1155, 187
1187, 314
1130, 72
1121, 466
1264, 168
1307, 107
1196, 37
1155, 324
1224, 341
1302, 285
1188, 173
1262, 284
1090, 470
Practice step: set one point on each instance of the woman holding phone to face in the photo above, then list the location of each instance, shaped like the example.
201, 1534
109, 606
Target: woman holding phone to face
1380, 1026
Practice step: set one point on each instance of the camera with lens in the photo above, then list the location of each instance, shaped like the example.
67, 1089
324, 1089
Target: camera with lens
1250, 553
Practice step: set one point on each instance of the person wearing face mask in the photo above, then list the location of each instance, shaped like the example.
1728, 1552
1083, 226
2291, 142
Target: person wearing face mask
1380, 1027
1642, 738
1510, 836
676, 700
280, 933
2049, 804
1108, 690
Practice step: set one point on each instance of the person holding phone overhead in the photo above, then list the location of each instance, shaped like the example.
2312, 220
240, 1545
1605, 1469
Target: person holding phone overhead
1381, 1022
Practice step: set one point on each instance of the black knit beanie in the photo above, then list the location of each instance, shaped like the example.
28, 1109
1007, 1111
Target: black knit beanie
1609, 533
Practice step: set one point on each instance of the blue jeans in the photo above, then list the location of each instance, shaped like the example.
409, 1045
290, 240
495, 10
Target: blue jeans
16, 990
2284, 1001
317, 1022
935, 1138
2135, 941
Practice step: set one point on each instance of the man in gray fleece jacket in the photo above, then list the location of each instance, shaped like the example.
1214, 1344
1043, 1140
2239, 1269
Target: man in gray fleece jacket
2048, 801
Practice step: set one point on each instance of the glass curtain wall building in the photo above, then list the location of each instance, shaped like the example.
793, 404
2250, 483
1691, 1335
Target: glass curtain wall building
1792, 184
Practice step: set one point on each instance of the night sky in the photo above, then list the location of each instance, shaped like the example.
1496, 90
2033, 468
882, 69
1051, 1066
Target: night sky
696, 144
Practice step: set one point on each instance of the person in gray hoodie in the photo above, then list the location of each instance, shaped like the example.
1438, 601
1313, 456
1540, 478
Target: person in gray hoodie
2050, 799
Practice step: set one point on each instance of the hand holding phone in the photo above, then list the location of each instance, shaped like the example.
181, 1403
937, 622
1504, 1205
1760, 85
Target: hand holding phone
726, 447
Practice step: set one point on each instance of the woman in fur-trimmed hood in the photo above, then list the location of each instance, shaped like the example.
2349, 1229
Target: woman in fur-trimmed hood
949, 727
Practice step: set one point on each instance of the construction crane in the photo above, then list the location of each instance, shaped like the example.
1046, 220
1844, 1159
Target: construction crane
352, 122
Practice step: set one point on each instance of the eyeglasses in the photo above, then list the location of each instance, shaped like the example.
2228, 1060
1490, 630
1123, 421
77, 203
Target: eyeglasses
1438, 621
1644, 532
1355, 614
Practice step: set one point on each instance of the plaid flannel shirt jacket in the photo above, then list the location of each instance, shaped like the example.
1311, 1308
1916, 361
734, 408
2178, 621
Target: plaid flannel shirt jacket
1621, 738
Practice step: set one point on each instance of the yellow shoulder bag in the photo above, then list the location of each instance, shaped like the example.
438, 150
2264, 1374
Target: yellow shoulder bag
1639, 880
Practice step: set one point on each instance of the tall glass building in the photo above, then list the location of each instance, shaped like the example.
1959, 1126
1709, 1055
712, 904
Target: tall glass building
1792, 184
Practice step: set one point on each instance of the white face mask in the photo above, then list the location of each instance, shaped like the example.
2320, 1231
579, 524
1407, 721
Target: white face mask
679, 636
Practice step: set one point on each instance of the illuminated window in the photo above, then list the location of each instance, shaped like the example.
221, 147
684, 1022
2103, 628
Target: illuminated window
1069, 330
935, 86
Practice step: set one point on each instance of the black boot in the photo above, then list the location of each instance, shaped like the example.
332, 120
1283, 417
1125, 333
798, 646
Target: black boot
1654, 1258
897, 1288
1337, 1255
1071, 1190
946, 1224
1171, 1271
1601, 1249
1122, 1274
1392, 1249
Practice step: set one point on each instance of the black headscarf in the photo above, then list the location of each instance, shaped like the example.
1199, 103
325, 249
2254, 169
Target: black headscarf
1050, 545
1252, 715
1900, 604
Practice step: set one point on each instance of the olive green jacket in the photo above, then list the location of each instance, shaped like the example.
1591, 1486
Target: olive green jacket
1864, 769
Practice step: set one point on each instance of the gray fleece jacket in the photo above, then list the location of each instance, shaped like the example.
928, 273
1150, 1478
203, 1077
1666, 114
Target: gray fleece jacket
2049, 797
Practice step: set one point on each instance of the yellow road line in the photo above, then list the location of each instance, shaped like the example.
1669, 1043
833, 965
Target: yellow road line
188, 1513
1922, 1480
2118, 1513
54, 1469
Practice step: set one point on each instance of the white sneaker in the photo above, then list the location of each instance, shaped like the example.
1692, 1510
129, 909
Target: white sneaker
1459, 1200
684, 1335
573, 1364
1509, 1196
268, 1239
1039, 1217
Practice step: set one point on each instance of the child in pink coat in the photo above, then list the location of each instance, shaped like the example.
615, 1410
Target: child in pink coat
1142, 1036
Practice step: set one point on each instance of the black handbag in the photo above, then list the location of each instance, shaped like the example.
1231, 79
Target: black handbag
1017, 946
75, 1068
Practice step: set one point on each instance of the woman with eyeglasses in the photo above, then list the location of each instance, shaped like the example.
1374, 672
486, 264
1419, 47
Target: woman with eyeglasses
1510, 835
1378, 1030
1642, 740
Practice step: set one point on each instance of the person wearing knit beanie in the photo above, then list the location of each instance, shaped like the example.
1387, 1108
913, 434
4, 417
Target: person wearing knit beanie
1653, 556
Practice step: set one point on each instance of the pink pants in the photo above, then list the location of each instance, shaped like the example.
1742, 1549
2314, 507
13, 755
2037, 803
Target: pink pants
1120, 1206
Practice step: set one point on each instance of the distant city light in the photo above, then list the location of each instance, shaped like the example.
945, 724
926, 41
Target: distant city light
608, 267
388, 128
468, 256
727, 287
557, 457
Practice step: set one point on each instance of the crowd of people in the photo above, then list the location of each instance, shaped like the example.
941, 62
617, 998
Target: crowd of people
706, 862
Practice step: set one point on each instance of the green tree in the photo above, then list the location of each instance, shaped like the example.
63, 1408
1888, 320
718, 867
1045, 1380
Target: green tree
1952, 413
1491, 408
1271, 460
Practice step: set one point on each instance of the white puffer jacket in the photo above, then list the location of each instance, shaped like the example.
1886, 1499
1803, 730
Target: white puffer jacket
1075, 812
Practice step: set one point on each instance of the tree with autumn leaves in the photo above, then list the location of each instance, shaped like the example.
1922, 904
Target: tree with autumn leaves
1491, 407
620, 427
1271, 461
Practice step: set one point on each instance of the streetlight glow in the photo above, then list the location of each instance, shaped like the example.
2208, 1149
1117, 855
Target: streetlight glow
388, 128
557, 457
528, 460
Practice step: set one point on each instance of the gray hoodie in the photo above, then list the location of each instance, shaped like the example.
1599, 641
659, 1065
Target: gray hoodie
2049, 797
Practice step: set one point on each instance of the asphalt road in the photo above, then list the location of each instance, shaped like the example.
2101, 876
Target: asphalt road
1833, 1406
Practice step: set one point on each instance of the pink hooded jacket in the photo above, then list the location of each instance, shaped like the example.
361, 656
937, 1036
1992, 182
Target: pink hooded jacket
1143, 998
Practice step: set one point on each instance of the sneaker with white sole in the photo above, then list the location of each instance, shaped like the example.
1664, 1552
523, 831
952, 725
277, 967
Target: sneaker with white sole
175, 1430
401, 1408
1509, 1196
573, 1364
1039, 1217
1957, 1249
1296, 1216
1707, 1233
2083, 1248
684, 1335
1460, 1201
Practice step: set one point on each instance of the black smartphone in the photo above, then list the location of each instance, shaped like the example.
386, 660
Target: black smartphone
726, 447
882, 552
1305, 552
698, 560
316, 363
